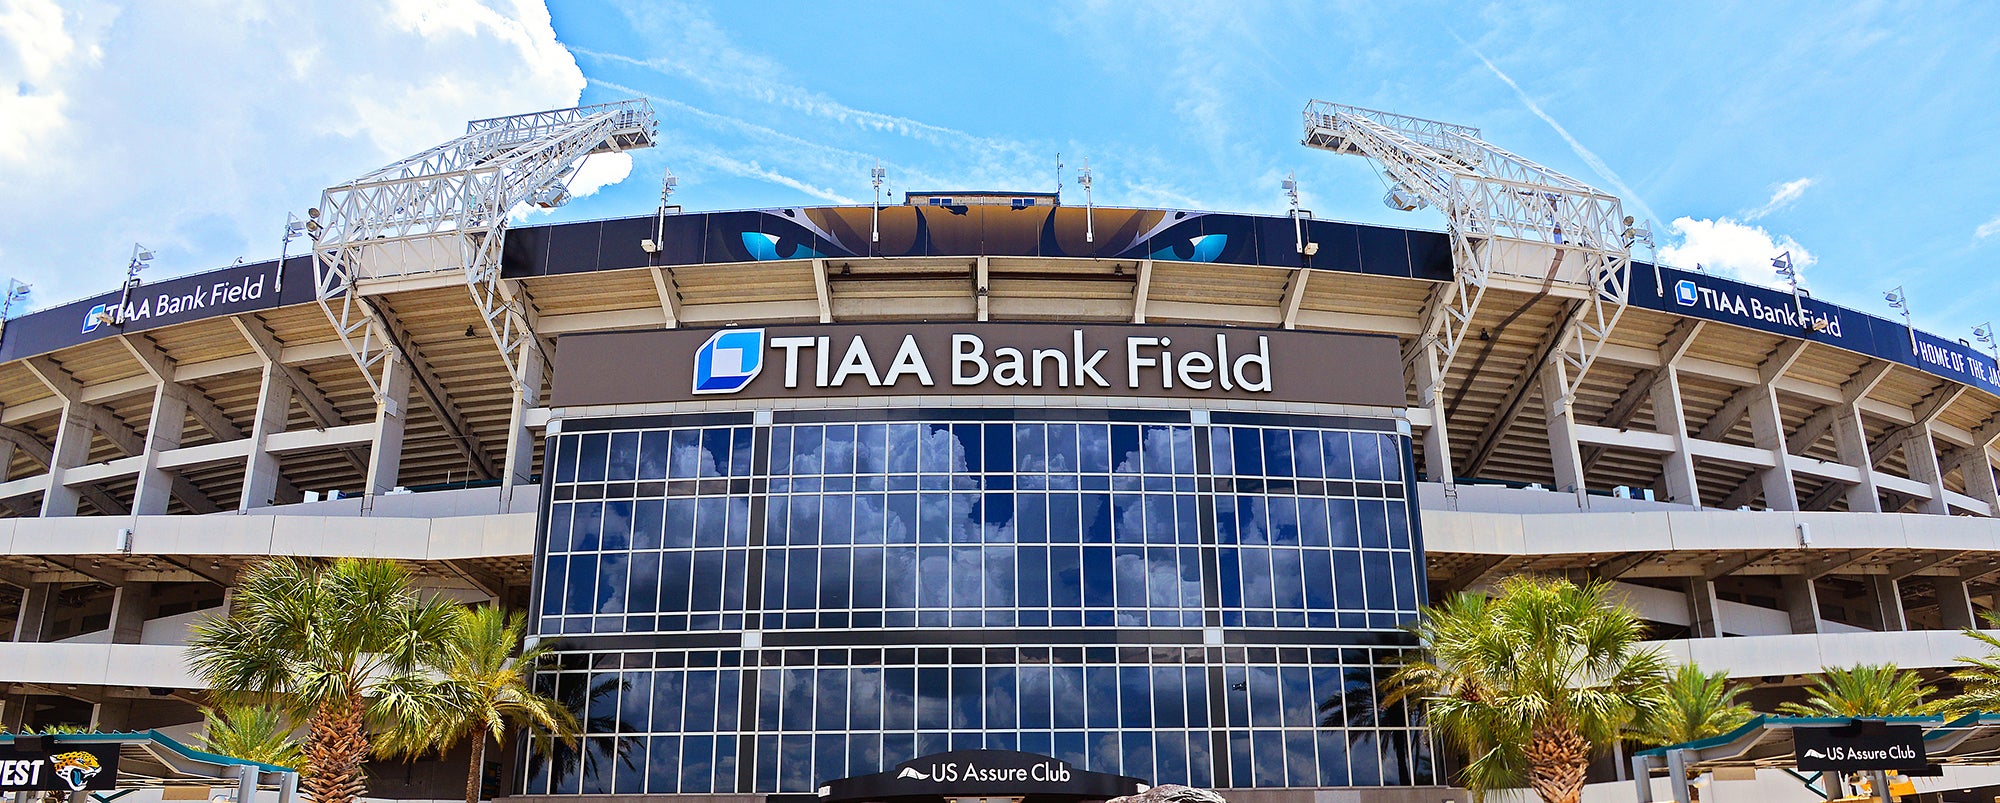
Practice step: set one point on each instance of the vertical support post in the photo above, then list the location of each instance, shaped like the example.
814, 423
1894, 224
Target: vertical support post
980, 288
1801, 602
1670, 418
1920, 454
1767, 428
1972, 465
33, 621
1954, 602
1642, 779
72, 447
1436, 438
1850, 438
131, 606
385, 452
163, 432
519, 465
1887, 596
1563, 449
1677, 777
246, 783
1704, 609
288, 787
274, 405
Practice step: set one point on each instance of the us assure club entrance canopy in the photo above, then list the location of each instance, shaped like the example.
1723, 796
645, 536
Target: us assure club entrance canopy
979, 774
1919, 745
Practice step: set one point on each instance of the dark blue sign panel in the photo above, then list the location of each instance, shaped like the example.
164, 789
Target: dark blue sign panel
1732, 302
229, 291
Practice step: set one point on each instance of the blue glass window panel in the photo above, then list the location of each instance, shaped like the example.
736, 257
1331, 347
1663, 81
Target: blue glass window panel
781, 451
703, 702
1170, 753
739, 520
1101, 697
1332, 749
901, 564
590, 463
1374, 524
1284, 520
1317, 565
643, 591
801, 579
711, 521
1253, 526
1266, 707
684, 454
1231, 583
1138, 754
831, 700
795, 754
1073, 748
968, 439
1135, 696
1313, 522
582, 584
1169, 699
806, 444
1336, 452
555, 569
935, 525
1300, 767
1125, 456
1258, 591
678, 528
871, 449
999, 576
1201, 764
566, 449
1301, 707
899, 700
1286, 579
968, 698
624, 456
1309, 460
676, 569
870, 514
715, 452
1347, 582
999, 447
1195, 693
933, 698
559, 522
1096, 509
997, 511
797, 712
1269, 747
634, 698
1363, 759
663, 763
1031, 519
869, 577
1067, 693
1399, 524
1367, 455
865, 699
1379, 577
1344, 522
1278, 453
697, 764
836, 519
1407, 591
1040, 743
834, 582
1129, 566
667, 702
586, 522
1247, 451
1062, 448
1034, 697
935, 455
1392, 448
1104, 750
1098, 574
1093, 448
903, 442
1160, 519
900, 520
838, 453
1066, 577
767, 764
648, 517
965, 515
1063, 518
965, 577
1128, 519
1221, 458
707, 583
1358, 696
615, 533
1030, 448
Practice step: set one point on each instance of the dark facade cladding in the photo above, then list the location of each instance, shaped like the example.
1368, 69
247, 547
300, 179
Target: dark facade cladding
1200, 598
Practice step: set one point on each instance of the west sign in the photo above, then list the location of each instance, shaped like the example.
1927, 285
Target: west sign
779, 362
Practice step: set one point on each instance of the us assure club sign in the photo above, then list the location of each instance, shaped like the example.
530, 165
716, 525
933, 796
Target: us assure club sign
982, 773
1864, 745
778, 362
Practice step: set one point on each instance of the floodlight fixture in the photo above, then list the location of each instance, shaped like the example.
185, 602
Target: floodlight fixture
1782, 264
1899, 300
875, 177
668, 183
1299, 216
1984, 334
1083, 179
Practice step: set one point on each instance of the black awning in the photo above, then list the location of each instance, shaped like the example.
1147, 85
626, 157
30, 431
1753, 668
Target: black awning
980, 773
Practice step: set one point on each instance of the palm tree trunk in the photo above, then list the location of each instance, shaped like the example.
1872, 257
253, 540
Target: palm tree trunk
336, 744
1557, 757
472, 776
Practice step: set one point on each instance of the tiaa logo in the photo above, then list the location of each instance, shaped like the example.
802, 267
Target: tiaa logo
1684, 292
729, 360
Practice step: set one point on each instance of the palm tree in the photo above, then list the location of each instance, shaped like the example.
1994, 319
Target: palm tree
1865, 690
1530, 681
337, 645
1981, 675
481, 689
1698, 705
251, 732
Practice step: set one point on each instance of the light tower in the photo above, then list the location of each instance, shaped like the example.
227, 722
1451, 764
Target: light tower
1899, 300
1083, 179
875, 177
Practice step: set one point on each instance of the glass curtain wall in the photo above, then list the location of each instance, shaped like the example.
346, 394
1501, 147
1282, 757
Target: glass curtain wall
1047, 581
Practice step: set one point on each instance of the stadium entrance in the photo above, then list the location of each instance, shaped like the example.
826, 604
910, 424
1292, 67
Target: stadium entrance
979, 776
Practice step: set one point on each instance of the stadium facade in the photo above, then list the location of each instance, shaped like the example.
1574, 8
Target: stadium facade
819, 500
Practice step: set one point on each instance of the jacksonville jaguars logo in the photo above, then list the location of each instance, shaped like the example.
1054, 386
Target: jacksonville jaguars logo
75, 769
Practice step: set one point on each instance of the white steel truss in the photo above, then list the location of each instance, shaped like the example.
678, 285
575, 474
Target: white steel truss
446, 209
1505, 215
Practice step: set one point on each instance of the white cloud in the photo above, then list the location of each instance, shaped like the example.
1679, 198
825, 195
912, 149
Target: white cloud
195, 130
1988, 229
1739, 249
1782, 196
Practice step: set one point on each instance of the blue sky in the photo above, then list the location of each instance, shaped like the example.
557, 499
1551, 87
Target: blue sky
1854, 134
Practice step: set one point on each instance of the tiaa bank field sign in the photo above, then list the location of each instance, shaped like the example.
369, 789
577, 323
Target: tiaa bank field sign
781, 362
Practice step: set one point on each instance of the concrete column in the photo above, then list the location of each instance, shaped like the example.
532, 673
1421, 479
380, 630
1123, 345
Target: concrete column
520, 462
1801, 599
1851, 439
1563, 449
385, 453
33, 623
13, 713
1920, 454
1972, 465
1886, 597
1954, 602
274, 406
1669, 418
6, 459
131, 606
163, 431
72, 447
1767, 427
1704, 609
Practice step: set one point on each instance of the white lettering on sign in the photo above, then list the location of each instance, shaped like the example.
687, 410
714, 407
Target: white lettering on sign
22, 773
948, 772
1754, 308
